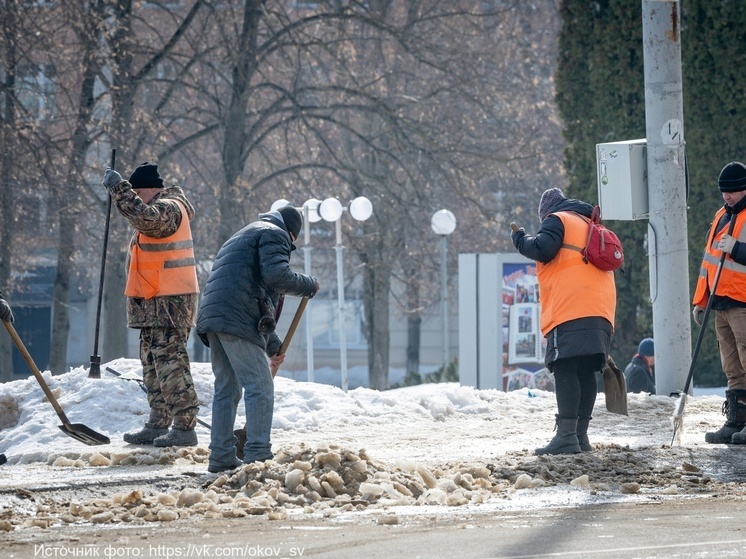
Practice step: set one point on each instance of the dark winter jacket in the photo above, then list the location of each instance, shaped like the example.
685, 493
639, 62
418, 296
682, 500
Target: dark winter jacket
158, 218
640, 378
579, 337
253, 266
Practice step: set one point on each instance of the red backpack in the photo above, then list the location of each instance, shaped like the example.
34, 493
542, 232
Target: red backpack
603, 248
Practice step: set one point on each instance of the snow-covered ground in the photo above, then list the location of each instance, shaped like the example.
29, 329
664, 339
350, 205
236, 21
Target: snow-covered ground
411, 449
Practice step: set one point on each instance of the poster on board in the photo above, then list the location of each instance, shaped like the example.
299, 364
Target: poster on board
523, 344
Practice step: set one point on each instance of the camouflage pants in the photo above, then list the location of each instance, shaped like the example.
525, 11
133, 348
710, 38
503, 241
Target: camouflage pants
166, 375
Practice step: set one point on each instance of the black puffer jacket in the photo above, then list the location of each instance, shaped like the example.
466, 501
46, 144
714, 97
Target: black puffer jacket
255, 261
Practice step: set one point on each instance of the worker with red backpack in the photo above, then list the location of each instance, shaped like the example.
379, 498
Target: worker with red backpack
578, 302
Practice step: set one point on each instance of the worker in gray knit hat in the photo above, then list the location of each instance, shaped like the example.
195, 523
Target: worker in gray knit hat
725, 243
578, 302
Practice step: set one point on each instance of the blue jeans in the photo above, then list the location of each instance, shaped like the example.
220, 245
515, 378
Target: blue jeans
240, 365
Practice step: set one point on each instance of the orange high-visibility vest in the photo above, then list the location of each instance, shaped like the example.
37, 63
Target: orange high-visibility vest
732, 282
164, 266
568, 287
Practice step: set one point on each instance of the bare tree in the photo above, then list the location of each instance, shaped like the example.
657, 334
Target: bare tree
8, 137
392, 100
417, 105
138, 43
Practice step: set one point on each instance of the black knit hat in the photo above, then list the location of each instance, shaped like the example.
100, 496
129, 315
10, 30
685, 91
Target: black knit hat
146, 176
732, 178
293, 219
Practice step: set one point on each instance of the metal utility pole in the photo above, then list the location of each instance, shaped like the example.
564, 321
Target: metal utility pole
667, 229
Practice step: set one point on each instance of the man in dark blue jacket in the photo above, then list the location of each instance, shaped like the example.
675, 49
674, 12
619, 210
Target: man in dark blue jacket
236, 320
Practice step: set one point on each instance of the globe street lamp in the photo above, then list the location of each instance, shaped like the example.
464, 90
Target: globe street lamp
331, 210
443, 223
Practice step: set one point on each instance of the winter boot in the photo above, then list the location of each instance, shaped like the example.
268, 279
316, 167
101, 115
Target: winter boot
566, 439
215, 468
734, 410
740, 436
177, 437
146, 435
582, 432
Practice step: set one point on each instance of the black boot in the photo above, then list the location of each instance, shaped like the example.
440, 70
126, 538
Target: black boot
734, 410
177, 437
146, 435
739, 437
582, 432
566, 439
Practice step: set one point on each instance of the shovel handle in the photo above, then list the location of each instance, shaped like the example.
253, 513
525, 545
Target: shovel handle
291, 331
35, 370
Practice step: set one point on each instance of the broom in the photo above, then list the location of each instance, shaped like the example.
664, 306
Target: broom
678, 414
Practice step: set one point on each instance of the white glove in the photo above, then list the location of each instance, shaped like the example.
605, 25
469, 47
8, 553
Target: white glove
699, 315
726, 243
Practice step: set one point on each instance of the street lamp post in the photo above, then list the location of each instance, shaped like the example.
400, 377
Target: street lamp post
310, 215
331, 210
443, 223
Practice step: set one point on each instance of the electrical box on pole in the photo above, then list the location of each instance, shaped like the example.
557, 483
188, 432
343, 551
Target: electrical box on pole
622, 179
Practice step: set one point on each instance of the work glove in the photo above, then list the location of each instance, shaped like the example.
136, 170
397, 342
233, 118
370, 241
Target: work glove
111, 178
6, 315
726, 243
699, 315
517, 233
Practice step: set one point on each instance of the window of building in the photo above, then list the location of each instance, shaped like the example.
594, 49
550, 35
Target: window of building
35, 90
325, 323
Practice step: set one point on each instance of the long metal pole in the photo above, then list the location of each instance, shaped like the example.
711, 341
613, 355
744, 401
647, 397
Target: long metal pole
444, 296
341, 303
95, 369
664, 130
307, 269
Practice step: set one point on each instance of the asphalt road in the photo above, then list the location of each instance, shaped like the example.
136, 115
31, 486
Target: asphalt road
701, 527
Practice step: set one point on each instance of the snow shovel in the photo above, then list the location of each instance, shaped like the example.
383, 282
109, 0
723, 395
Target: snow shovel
95, 370
77, 430
615, 387
678, 414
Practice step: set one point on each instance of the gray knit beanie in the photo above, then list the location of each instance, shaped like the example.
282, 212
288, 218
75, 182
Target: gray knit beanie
549, 199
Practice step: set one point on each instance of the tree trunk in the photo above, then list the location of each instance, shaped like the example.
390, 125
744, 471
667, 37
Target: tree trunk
235, 137
414, 324
7, 140
68, 202
114, 342
377, 281
61, 298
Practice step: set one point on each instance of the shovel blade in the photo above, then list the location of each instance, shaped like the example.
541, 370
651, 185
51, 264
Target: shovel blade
84, 434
